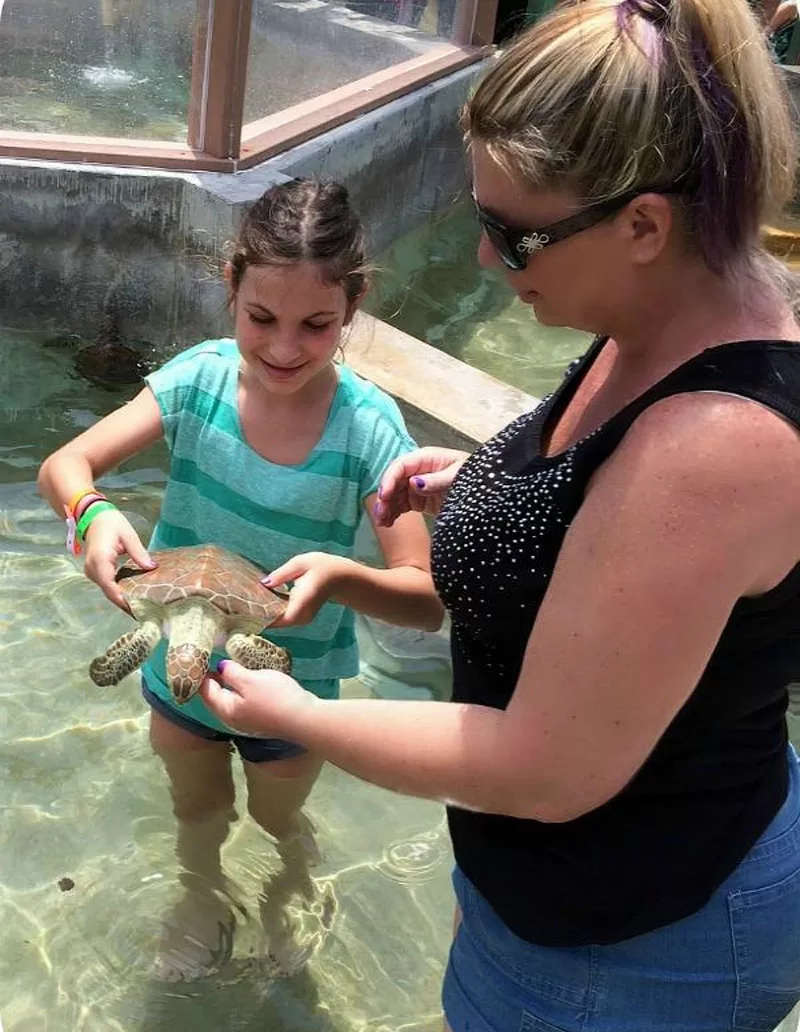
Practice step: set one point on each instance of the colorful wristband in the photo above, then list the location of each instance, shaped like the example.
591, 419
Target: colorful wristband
86, 520
74, 511
78, 497
83, 503
73, 545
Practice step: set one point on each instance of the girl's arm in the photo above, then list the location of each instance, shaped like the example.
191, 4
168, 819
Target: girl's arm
684, 519
403, 593
73, 469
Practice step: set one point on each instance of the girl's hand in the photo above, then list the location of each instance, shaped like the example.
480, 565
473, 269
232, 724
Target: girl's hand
109, 536
418, 481
315, 575
257, 701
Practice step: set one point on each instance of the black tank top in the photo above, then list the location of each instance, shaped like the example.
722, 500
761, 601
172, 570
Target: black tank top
655, 852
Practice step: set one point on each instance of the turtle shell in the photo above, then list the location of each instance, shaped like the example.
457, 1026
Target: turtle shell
110, 364
228, 581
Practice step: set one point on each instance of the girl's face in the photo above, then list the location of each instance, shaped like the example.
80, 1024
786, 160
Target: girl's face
288, 324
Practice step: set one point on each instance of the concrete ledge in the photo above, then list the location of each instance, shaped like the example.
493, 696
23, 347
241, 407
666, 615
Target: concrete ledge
444, 401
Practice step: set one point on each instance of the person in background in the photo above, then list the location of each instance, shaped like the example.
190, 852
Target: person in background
781, 24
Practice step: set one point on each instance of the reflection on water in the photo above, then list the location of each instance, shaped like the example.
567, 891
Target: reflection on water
87, 834
429, 284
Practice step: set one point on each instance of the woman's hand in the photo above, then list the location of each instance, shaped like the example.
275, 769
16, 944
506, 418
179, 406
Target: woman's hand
109, 536
253, 701
418, 481
315, 575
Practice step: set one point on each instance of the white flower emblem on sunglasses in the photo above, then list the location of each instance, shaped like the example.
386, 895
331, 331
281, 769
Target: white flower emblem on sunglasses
533, 242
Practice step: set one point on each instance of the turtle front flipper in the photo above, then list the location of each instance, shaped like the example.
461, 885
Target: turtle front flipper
256, 653
124, 655
194, 626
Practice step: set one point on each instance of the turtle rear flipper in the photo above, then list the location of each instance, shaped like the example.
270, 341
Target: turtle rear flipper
256, 653
124, 655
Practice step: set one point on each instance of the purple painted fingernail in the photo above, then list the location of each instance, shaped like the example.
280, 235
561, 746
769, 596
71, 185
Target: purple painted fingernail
266, 581
377, 509
221, 665
380, 492
419, 483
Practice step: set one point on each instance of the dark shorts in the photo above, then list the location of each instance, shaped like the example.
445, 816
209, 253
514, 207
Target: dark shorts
254, 750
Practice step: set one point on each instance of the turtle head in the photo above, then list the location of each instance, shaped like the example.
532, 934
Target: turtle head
187, 666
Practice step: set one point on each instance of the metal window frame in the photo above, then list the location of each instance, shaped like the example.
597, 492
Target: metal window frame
217, 140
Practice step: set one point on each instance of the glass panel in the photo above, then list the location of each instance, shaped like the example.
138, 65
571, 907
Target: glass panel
303, 48
99, 67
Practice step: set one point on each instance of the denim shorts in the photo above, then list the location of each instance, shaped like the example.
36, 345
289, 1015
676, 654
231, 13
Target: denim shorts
254, 750
734, 966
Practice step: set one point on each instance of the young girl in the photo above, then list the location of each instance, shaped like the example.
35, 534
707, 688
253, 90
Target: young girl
275, 451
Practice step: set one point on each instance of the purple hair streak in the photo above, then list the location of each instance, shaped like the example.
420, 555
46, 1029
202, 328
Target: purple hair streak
721, 164
654, 11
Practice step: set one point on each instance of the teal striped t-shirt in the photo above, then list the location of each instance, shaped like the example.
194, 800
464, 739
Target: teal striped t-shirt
221, 491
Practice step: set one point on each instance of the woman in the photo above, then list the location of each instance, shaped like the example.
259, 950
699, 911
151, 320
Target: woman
621, 565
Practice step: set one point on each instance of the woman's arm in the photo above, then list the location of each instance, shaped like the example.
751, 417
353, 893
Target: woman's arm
780, 14
691, 513
418, 481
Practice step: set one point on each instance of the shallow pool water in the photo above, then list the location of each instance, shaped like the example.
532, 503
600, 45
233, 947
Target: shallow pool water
430, 285
84, 799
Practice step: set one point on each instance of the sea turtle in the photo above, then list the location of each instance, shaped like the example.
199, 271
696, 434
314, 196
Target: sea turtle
201, 596
106, 361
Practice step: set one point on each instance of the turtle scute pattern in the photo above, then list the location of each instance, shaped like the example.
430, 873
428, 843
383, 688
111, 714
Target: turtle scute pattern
186, 668
227, 581
105, 671
268, 655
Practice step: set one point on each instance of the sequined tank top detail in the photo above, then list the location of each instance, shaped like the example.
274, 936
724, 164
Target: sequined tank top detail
656, 852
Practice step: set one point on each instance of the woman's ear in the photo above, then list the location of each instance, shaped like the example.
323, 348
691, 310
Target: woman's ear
649, 222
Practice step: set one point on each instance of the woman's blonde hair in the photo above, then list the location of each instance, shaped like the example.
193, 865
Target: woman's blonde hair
603, 97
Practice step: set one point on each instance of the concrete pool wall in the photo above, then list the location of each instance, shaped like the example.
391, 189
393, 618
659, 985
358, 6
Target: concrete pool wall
78, 239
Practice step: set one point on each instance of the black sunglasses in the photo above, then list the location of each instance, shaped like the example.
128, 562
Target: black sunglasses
515, 246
